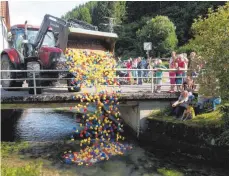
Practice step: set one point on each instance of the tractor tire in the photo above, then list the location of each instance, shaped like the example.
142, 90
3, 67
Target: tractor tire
6, 64
34, 66
77, 89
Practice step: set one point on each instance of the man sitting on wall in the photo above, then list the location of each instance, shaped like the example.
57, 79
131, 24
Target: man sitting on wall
181, 104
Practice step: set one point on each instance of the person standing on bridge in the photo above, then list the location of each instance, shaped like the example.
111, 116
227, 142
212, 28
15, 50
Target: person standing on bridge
180, 65
173, 57
135, 72
140, 66
158, 74
172, 76
185, 60
129, 66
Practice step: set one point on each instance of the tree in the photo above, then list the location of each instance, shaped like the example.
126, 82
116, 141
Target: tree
84, 15
211, 41
180, 13
114, 9
131, 14
161, 32
119, 11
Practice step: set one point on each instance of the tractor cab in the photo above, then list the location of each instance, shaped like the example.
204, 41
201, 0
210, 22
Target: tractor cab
17, 37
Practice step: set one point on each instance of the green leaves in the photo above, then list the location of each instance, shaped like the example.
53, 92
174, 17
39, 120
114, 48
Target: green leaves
211, 40
84, 15
161, 32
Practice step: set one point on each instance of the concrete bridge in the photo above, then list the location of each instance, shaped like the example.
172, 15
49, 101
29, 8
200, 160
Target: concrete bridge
136, 102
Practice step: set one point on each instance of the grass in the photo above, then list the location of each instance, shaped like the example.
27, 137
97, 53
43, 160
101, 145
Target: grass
30, 169
8, 167
8, 148
212, 119
13, 164
169, 172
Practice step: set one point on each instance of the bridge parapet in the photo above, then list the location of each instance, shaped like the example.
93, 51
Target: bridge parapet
71, 98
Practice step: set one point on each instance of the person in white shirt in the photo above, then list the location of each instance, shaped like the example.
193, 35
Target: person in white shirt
181, 104
135, 72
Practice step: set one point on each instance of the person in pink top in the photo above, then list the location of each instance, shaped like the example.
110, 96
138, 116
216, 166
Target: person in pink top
172, 76
180, 64
129, 66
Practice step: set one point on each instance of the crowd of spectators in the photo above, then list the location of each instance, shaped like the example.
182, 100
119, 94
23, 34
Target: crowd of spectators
182, 71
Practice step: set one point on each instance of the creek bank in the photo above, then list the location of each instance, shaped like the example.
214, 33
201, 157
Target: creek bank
196, 141
135, 162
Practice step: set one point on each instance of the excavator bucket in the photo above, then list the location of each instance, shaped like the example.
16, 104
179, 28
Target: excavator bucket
96, 41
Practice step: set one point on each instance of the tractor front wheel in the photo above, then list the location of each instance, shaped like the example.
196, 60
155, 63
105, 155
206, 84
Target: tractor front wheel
6, 64
34, 66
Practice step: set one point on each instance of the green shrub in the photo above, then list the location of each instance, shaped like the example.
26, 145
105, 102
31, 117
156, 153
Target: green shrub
184, 49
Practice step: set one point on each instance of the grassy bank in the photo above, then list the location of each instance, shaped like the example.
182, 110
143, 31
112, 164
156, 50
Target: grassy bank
218, 119
212, 119
13, 163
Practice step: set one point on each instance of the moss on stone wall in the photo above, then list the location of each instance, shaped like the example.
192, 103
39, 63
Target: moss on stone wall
212, 119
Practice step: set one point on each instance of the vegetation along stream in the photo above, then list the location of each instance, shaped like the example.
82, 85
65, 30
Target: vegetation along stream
39, 137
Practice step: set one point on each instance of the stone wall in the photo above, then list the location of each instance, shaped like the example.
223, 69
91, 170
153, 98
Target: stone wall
194, 141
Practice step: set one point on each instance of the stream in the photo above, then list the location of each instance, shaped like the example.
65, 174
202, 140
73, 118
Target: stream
50, 128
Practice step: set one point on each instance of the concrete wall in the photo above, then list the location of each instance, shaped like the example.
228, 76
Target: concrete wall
130, 114
135, 113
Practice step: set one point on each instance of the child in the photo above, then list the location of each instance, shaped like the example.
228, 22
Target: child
129, 66
158, 74
188, 114
180, 65
188, 84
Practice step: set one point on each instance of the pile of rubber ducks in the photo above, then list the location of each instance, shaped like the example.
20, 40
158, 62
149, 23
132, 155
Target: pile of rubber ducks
100, 130
95, 153
90, 68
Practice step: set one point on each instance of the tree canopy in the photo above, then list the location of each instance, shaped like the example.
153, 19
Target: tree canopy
211, 41
161, 32
133, 15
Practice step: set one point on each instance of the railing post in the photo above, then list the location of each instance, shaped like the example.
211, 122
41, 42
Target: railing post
136, 71
152, 83
34, 84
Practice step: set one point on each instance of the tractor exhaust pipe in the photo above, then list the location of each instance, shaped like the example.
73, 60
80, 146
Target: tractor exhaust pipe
26, 31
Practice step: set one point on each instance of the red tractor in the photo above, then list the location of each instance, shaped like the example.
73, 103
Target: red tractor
41, 48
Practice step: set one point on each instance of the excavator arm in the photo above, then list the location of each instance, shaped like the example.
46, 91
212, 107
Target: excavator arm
74, 34
59, 27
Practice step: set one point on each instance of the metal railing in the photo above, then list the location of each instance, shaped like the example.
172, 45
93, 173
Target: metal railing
139, 72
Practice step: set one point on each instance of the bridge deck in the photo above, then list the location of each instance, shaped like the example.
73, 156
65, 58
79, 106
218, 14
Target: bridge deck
128, 93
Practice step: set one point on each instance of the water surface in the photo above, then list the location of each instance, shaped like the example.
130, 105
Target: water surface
45, 125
